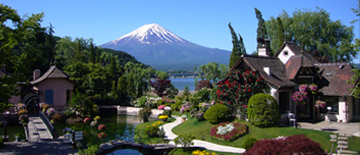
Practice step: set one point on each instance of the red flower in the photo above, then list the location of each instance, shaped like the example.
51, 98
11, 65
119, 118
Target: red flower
237, 72
229, 102
261, 78
229, 73
257, 80
249, 89
219, 86
245, 82
249, 79
237, 91
253, 73
247, 71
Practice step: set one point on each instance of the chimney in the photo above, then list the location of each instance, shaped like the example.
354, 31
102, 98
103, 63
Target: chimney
267, 70
264, 50
36, 74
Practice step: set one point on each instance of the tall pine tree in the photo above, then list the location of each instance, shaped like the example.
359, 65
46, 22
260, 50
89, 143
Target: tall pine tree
261, 30
238, 47
281, 32
92, 53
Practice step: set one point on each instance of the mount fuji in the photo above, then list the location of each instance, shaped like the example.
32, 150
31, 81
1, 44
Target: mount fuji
163, 50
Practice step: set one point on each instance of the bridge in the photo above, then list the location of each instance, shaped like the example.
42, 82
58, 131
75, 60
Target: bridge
37, 130
173, 75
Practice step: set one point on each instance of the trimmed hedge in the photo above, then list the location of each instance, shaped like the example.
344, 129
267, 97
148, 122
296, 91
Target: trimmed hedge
263, 110
297, 144
216, 113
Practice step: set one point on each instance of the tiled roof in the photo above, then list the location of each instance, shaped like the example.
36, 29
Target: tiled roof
53, 72
297, 51
277, 69
334, 79
295, 63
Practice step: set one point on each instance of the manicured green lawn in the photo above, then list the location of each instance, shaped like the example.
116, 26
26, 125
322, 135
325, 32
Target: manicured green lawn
202, 130
11, 131
179, 151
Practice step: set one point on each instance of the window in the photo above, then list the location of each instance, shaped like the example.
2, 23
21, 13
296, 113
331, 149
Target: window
332, 102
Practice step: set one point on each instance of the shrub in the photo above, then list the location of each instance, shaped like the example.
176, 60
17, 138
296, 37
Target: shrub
23, 112
101, 127
184, 140
141, 101
56, 117
87, 120
151, 130
167, 112
101, 135
161, 107
23, 119
163, 117
161, 132
160, 102
21, 106
216, 113
199, 115
185, 107
203, 84
263, 110
174, 107
248, 143
145, 113
297, 144
228, 131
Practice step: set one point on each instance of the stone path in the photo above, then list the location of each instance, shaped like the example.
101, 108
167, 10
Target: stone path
37, 130
198, 143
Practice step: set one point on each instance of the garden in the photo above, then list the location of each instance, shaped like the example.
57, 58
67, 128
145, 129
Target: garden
228, 115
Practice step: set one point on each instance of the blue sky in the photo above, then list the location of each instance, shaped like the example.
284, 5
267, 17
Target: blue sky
204, 22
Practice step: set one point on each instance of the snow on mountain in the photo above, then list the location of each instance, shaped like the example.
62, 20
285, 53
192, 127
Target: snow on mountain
149, 34
163, 50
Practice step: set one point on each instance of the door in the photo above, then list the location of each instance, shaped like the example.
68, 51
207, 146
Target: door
284, 101
49, 96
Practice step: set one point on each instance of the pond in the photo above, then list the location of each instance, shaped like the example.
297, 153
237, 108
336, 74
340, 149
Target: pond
117, 127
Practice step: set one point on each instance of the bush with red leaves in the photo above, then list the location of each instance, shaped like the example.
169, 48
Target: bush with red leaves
203, 84
297, 144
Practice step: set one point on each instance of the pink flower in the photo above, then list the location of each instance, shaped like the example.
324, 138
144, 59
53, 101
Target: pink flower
87, 120
161, 107
101, 127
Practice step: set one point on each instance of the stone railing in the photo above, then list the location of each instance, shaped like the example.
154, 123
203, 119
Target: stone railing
47, 123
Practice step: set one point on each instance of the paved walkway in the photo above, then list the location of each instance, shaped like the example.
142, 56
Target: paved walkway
37, 130
350, 129
198, 143
37, 148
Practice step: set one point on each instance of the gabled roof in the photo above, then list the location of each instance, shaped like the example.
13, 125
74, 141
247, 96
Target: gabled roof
277, 69
297, 51
294, 64
334, 79
52, 73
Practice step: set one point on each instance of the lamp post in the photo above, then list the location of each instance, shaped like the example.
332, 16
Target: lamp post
329, 108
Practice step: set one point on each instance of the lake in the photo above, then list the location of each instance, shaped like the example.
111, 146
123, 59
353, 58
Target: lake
180, 83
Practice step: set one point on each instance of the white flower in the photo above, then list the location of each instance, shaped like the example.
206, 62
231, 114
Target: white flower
222, 130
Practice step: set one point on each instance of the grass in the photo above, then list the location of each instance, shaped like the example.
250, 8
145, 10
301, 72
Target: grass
202, 130
179, 151
11, 131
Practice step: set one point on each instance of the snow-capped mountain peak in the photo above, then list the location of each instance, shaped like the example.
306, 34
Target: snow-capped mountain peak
150, 34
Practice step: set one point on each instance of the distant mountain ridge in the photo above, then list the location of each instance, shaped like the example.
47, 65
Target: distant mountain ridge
163, 50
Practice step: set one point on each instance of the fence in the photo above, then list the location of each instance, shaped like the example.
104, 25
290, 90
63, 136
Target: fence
47, 123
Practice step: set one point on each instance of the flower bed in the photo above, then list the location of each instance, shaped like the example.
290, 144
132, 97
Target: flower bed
228, 131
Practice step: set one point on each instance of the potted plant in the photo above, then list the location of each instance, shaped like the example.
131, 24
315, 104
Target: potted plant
184, 118
18, 136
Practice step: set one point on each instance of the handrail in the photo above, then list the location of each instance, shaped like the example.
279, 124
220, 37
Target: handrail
47, 123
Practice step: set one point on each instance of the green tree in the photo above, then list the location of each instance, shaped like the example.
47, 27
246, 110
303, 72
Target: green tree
238, 47
186, 91
121, 87
92, 53
261, 30
281, 32
19, 31
315, 32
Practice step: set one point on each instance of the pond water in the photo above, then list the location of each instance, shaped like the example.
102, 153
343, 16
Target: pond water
180, 83
117, 127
